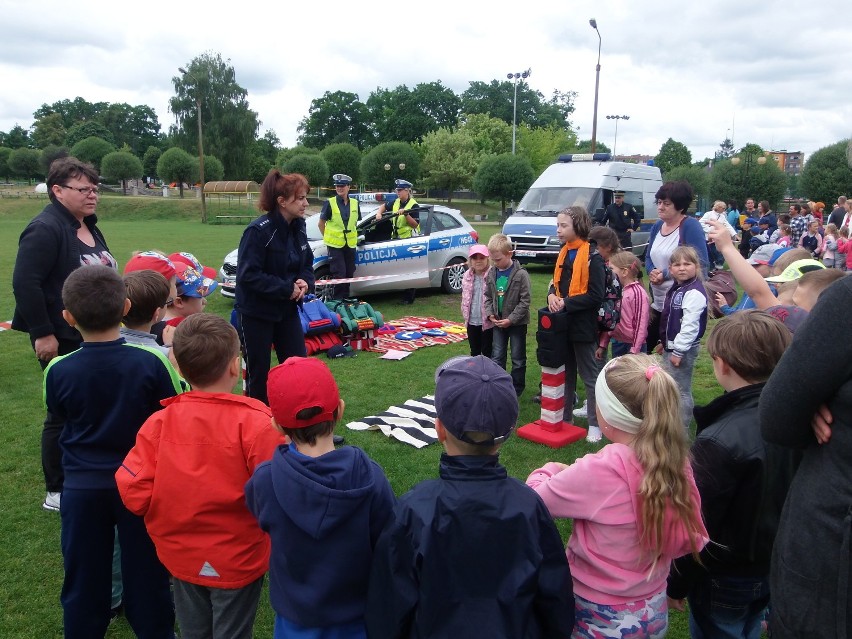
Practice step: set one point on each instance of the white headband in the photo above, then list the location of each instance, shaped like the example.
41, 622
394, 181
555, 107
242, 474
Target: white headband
612, 410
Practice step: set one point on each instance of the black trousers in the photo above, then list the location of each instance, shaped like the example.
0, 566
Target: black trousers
341, 262
480, 340
51, 454
259, 337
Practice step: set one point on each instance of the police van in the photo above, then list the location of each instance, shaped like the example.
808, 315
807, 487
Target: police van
587, 180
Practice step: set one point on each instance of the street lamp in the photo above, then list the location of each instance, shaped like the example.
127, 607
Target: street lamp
200, 147
616, 118
748, 161
516, 77
594, 24
401, 165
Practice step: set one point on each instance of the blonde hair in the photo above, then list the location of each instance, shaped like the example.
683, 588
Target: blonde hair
628, 261
660, 446
831, 229
500, 242
687, 254
718, 204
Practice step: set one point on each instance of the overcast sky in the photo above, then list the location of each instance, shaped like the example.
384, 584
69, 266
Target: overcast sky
775, 73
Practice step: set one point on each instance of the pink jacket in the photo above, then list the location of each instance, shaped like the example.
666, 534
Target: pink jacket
845, 246
600, 493
632, 328
467, 295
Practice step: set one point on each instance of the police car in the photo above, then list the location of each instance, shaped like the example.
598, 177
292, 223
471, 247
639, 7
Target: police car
437, 257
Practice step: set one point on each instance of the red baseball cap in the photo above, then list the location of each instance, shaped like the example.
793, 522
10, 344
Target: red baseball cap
300, 383
190, 260
151, 261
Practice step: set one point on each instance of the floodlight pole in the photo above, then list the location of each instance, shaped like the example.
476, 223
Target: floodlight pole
594, 25
200, 147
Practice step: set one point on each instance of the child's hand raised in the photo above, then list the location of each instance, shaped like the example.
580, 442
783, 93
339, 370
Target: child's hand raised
719, 235
720, 299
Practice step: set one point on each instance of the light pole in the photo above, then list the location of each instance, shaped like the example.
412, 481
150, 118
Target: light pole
200, 146
748, 160
387, 168
516, 77
616, 118
594, 24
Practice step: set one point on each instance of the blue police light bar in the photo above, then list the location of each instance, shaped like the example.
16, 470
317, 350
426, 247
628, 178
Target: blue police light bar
585, 157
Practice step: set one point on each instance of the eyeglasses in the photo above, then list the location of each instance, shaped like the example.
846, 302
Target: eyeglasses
85, 191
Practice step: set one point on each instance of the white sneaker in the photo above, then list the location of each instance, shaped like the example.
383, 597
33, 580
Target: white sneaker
51, 502
594, 435
583, 411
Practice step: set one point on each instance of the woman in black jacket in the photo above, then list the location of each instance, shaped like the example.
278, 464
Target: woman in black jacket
60, 239
274, 271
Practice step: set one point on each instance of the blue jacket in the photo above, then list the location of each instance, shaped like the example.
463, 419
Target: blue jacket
272, 256
323, 515
104, 392
691, 234
474, 553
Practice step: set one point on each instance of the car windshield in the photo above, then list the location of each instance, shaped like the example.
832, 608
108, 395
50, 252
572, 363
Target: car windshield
549, 201
312, 228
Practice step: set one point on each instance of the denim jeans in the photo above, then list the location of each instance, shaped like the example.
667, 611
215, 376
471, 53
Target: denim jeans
623, 348
516, 338
682, 375
723, 607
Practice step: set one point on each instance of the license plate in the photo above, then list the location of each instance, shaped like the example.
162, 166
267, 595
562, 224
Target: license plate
525, 253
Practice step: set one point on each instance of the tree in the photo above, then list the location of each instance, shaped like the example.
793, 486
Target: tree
229, 125
71, 111
92, 150
16, 138
392, 155
585, 146
51, 153
25, 162
335, 118
214, 170
121, 166
492, 136
406, 115
84, 130
5, 170
672, 154
506, 177
827, 173
48, 131
176, 165
497, 99
449, 160
135, 126
312, 166
743, 177
285, 155
697, 176
726, 149
543, 145
149, 161
342, 158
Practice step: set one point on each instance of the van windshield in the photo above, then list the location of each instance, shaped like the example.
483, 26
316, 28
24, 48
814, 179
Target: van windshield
549, 201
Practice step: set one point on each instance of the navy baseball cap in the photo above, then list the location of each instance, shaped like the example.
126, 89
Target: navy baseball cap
473, 395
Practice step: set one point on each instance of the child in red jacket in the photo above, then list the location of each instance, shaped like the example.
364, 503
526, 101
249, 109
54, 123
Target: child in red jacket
186, 475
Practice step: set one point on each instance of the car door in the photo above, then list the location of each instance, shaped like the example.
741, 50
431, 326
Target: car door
395, 264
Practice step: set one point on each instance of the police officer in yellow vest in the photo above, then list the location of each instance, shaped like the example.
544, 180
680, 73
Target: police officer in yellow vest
405, 220
338, 224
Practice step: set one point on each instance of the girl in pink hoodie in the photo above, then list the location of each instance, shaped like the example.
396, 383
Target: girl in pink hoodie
634, 503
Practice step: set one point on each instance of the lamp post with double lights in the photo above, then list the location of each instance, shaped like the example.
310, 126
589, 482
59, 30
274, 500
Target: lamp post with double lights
616, 118
745, 157
388, 168
516, 77
200, 144
594, 24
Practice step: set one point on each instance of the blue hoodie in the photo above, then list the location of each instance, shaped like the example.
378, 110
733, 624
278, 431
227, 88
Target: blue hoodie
323, 515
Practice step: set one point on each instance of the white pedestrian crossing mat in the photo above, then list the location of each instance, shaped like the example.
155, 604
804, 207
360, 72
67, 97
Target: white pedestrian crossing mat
412, 423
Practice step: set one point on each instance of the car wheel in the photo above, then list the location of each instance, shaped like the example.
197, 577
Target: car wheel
323, 291
453, 274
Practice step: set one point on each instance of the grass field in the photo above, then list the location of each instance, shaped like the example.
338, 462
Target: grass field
30, 558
